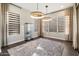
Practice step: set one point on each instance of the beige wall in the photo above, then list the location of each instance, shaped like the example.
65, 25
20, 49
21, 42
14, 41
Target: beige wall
78, 27
60, 35
0, 27
25, 18
16, 37
74, 27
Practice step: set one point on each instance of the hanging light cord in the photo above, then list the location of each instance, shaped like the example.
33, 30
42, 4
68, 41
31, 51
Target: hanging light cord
37, 6
46, 8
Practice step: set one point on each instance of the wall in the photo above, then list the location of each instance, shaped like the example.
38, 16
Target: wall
0, 28
60, 35
74, 27
56, 35
16, 37
25, 18
78, 27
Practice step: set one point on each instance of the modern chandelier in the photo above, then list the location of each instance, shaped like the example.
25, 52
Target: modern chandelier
37, 14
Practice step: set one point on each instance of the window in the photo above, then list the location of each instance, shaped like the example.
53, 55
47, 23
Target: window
46, 26
13, 23
53, 25
35, 26
61, 24
57, 24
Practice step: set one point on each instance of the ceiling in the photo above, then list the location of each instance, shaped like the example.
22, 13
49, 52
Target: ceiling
41, 6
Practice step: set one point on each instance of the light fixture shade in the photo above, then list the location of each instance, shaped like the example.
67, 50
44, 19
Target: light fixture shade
37, 15
47, 18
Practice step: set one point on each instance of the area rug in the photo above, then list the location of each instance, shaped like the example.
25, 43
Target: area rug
38, 47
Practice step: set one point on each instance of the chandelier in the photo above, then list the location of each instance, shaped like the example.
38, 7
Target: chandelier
37, 14
46, 18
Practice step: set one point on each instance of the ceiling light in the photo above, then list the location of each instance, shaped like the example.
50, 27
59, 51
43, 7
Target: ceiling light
37, 14
47, 18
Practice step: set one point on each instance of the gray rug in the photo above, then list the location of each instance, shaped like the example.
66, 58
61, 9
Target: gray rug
39, 47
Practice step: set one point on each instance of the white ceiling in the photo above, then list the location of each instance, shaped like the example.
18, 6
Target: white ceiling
51, 6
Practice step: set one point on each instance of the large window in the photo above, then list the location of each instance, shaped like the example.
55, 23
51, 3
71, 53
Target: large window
53, 25
35, 25
61, 24
57, 24
13, 23
46, 26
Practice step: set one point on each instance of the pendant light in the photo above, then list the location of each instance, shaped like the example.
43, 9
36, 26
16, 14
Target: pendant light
37, 14
46, 18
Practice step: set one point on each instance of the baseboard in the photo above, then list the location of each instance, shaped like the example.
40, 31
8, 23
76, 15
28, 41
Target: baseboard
57, 39
18, 43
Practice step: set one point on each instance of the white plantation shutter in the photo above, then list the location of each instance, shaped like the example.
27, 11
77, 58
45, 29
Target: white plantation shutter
61, 24
13, 23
